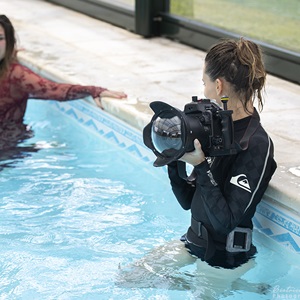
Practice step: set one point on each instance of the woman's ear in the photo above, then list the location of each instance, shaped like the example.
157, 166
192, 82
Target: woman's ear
219, 86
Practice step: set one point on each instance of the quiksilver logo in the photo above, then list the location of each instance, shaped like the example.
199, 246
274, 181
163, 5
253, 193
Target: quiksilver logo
241, 181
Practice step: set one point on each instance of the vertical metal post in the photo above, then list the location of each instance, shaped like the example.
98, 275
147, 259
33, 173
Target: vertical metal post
147, 16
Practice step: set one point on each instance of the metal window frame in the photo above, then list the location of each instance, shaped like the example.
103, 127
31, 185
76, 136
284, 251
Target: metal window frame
116, 15
152, 18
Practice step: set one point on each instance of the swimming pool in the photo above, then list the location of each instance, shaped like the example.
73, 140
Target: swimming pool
83, 206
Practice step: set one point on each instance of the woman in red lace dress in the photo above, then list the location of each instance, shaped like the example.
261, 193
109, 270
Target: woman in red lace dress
18, 84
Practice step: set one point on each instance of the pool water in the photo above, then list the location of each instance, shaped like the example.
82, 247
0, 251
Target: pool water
77, 208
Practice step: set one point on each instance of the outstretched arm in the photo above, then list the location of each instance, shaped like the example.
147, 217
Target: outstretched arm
36, 86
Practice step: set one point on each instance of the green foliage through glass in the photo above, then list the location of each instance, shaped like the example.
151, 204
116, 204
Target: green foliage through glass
276, 22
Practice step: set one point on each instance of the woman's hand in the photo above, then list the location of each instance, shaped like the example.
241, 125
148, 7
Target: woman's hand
195, 157
110, 94
113, 94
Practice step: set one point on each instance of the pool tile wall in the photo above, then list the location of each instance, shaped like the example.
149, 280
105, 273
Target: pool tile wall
271, 218
115, 130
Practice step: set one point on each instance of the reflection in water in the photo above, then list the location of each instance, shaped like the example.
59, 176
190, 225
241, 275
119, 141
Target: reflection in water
12, 136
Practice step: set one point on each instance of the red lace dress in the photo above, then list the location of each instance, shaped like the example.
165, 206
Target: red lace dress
18, 86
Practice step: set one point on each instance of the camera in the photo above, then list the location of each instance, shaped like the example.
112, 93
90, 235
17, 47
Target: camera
171, 132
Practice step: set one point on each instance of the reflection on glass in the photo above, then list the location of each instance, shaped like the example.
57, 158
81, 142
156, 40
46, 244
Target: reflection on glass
123, 3
166, 135
275, 22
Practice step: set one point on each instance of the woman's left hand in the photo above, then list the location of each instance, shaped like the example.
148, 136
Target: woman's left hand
195, 157
110, 94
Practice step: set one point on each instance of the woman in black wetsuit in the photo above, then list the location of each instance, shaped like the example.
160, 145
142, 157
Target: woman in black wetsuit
227, 189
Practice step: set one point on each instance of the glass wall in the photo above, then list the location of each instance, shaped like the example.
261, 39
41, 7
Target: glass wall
125, 3
276, 22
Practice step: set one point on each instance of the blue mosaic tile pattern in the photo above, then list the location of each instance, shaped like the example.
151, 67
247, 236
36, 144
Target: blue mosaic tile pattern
276, 222
279, 224
109, 127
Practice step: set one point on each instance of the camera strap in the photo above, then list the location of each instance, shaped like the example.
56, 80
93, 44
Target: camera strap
203, 235
251, 128
181, 167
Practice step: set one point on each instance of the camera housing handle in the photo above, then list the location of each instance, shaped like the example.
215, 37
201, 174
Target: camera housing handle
227, 130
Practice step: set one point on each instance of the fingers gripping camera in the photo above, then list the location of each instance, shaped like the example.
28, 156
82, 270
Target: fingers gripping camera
171, 132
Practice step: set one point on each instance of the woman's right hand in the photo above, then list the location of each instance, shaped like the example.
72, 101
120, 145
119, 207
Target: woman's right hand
110, 94
113, 94
195, 157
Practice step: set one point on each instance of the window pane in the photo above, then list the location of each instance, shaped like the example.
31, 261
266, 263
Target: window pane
124, 3
275, 22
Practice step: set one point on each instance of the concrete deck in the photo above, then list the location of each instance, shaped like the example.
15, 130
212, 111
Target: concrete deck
70, 47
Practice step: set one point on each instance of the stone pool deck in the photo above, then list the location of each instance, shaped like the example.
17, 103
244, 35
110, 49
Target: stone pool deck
70, 47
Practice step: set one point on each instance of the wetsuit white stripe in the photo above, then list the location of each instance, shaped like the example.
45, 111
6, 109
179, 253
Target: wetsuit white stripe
262, 175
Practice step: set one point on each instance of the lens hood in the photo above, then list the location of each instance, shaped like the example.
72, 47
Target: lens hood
165, 134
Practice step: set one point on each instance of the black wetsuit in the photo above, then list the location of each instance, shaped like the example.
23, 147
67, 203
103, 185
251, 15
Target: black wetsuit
225, 193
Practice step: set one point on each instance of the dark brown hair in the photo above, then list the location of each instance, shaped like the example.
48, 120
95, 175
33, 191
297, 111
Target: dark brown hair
10, 52
239, 63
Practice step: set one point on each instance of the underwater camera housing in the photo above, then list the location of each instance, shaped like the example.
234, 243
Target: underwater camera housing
171, 132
